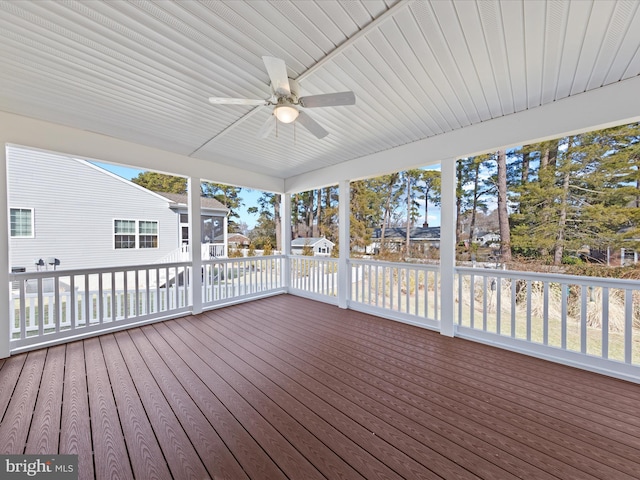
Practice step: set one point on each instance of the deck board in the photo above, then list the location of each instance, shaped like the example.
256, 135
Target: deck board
286, 387
14, 428
572, 463
44, 434
110, 451
144, 452
75, 427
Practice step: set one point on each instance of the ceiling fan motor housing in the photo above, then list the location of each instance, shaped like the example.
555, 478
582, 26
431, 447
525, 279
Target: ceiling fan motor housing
294, 87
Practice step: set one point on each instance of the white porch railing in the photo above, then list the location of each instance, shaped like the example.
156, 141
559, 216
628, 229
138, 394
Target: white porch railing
213, 250
592, 323
403, 291
583, 321
234, 279
207, 252
314, 277
61, 305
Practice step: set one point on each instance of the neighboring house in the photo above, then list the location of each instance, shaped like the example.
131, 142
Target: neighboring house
85, 217
422, 238
321, 246
487, 238
239, 241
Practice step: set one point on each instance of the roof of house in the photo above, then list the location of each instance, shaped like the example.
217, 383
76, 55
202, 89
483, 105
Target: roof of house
311, 241
416, 233
238, 238
182, 199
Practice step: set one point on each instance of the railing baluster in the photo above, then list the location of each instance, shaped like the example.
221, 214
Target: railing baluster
416, 290
484, 303
605, 322
41, 316
563, 332
513, 307
498, 305
628, 325
113, 298
73, 302
87, 300
583, 319
57, 310
22, 313
545, 313
472, 306
529, 288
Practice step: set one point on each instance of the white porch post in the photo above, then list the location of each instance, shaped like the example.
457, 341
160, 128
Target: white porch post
195, 235
344, 196
447, 247
285, 237
5, 292
225, 225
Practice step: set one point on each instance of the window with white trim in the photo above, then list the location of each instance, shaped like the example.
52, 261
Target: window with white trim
21, 220
135, 234
125, 233
148, 231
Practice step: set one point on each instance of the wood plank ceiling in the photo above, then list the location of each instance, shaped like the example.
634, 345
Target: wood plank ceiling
142, 70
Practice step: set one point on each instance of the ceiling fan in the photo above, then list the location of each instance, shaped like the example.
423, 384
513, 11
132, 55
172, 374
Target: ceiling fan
286, 100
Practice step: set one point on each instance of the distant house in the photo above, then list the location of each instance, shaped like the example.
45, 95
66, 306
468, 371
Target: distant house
487, 238
321, 247
73, 213
395, 238
237, 240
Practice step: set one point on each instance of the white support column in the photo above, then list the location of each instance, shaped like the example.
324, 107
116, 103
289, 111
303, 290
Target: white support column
225, 225
344, 212
195, 243
5, 292
285, 237
448, 247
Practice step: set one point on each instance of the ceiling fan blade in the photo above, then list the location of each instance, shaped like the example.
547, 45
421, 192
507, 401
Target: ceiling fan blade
277, 70
267, 127
236, 101
310, 124
328, 100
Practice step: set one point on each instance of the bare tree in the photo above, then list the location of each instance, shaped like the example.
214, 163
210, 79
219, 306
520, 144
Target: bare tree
503, 211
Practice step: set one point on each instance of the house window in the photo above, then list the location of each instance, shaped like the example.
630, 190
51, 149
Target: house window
21, 222
125, 233
135, 234
148, 234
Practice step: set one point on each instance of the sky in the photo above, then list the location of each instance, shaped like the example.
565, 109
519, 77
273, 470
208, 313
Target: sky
250, 197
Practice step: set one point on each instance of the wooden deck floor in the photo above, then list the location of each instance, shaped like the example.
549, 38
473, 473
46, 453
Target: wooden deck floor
291, 388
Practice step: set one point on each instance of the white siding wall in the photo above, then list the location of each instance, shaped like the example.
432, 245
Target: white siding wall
74, 206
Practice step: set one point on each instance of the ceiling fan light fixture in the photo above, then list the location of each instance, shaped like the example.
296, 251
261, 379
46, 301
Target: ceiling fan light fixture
286, 113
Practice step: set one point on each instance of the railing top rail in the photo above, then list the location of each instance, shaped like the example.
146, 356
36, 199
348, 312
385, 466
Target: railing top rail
424, 266
553, 277
96, 270
319, 258
242, 259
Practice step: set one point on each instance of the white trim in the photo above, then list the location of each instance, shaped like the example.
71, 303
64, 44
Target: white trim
5, 293
90, 146
344, 242
195, 232
447, 247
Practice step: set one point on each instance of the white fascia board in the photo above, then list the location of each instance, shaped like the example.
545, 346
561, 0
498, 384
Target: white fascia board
608, 106
32, 133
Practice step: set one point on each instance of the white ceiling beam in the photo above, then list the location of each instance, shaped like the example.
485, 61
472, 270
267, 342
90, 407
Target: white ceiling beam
19, 130
608, 106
